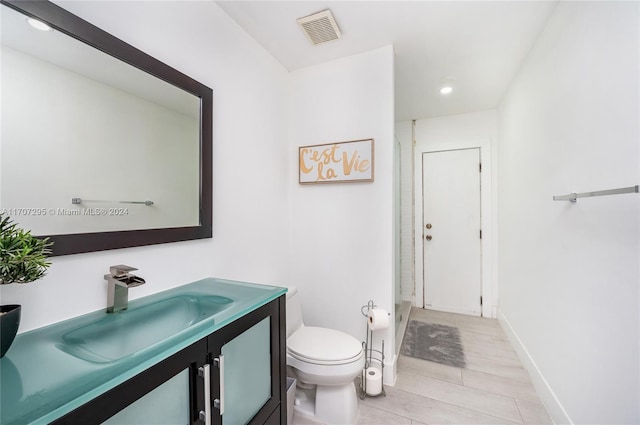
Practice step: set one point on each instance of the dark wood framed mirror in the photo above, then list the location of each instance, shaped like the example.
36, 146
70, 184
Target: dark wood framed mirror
75, 234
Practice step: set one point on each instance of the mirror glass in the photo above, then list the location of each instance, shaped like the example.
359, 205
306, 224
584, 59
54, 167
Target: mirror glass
90, 144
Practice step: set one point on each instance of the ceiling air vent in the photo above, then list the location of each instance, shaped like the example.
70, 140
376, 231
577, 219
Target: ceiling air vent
320, 27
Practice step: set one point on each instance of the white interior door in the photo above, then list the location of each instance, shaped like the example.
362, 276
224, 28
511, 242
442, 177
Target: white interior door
451, 231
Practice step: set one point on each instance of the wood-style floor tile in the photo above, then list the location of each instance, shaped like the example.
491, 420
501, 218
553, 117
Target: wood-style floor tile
303, 420
491, 351
495, 367
459, 395
474, 337
430, 369
370, 415
500, 385
432, 317
430, 411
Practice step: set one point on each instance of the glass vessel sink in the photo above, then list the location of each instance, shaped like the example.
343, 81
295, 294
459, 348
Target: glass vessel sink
118, 335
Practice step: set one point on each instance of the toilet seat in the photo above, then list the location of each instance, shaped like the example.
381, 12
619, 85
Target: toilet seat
323, 346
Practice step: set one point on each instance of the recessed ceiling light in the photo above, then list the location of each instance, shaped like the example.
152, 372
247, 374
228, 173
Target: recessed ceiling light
446, 85
39, 25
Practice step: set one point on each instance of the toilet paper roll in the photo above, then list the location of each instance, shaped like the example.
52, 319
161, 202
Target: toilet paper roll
378, 319
373, 380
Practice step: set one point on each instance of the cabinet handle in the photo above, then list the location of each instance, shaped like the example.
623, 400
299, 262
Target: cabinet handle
219, 402
205, 372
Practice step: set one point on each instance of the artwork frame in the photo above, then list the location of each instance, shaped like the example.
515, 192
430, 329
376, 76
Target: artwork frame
351, 161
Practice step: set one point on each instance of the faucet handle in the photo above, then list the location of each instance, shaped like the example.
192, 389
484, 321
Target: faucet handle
120, 270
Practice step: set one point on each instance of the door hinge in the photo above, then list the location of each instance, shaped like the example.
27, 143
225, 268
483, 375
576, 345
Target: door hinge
480, 167
480, 233
480, 299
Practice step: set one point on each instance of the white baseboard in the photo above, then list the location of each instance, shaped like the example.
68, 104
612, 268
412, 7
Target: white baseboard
548, 397
494, 312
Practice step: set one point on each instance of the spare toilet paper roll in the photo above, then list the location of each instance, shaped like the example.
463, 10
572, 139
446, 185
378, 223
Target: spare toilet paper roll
378, 319
374, 381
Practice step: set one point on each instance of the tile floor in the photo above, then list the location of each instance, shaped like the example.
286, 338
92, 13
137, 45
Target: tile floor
493, 388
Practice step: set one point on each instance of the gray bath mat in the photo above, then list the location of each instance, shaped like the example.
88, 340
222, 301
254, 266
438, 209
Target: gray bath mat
433, 342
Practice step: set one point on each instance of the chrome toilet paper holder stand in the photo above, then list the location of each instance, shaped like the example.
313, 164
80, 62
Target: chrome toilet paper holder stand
370, 354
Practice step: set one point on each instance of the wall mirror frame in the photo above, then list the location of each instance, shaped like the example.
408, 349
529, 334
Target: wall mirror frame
62, 20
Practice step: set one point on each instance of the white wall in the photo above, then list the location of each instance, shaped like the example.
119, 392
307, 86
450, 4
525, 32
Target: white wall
250, 163
478, 129
404, 133
569, 273
342, 234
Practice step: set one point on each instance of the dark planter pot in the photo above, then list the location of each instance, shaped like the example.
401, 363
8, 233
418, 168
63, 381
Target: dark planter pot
9, 322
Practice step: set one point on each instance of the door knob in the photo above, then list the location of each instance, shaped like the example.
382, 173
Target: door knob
429, 226
429, 237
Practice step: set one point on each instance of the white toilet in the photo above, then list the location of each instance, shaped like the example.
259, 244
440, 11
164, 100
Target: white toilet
325, 362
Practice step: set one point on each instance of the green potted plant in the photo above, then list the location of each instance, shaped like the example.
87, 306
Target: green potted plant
23, 259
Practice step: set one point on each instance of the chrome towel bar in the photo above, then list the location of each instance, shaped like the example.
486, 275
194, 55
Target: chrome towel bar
573, 197
77, 201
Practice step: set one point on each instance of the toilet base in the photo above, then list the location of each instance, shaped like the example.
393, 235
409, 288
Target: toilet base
305, 402
333, 405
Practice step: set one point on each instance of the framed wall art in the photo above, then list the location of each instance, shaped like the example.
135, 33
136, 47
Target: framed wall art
341, 162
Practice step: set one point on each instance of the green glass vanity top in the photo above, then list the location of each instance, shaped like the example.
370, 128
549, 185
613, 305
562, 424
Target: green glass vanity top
50, 371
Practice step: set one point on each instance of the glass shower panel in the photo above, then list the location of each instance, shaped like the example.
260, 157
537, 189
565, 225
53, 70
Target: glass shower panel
397, 196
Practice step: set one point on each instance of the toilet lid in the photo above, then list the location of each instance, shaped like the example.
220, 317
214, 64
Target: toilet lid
322, 344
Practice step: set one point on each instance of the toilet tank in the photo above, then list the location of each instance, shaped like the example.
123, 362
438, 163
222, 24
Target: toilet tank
294, 311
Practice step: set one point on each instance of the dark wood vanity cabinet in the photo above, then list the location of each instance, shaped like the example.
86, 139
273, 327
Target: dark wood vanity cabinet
246, 360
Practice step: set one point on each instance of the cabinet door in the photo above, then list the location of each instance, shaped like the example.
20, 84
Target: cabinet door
167, 404
247, 373
249, 379
171, 392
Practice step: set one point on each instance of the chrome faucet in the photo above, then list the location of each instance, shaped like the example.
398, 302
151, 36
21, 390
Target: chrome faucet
120, 280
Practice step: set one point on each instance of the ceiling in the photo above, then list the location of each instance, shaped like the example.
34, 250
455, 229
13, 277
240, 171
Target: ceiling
481, 44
